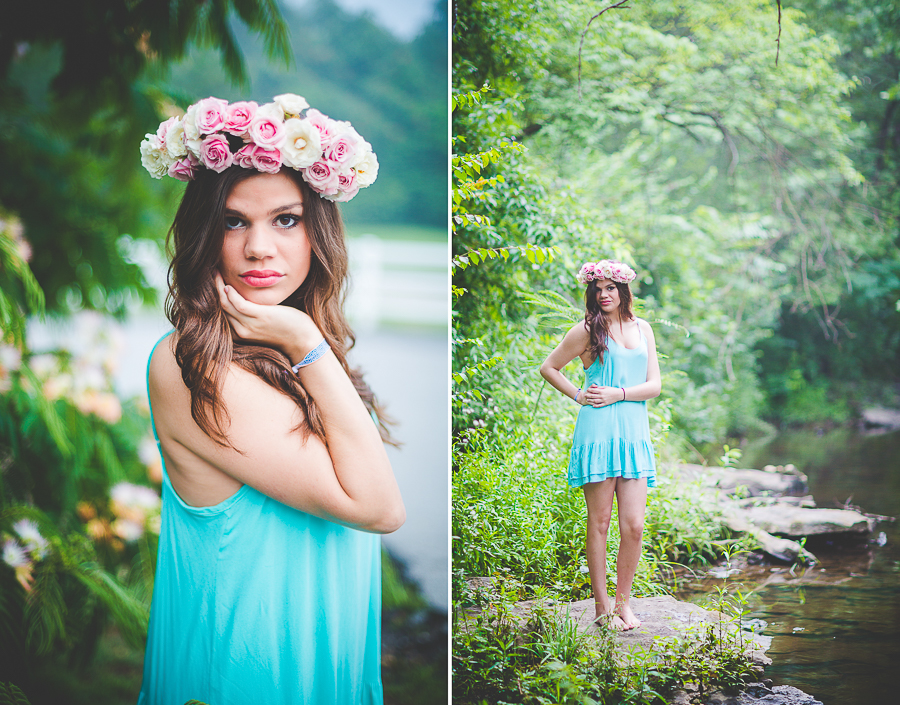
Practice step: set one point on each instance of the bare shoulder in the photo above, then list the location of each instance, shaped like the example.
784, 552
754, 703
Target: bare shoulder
645, 327
164, 369
578, 333
242, 393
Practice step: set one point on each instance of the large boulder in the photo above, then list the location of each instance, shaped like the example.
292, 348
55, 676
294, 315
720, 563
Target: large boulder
786, 520
747, 481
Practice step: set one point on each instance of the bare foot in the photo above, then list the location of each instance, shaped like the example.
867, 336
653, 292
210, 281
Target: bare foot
612, 621
628, 617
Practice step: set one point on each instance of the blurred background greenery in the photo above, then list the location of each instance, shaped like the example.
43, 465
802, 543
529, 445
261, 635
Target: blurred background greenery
81, 233
758, 200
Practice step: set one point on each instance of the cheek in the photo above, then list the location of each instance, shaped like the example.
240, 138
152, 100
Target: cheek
301, 256
230, 260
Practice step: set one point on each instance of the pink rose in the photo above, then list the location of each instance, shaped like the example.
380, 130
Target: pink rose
215, 154
601, 270
252, 156
267, 160
327, 127
344, 147
244, 156
238, 117
164, 128
348, 188
322, 177
184, 169
267, 132
210, 115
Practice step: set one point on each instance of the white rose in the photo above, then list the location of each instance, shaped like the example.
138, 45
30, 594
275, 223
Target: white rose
366, 167
154, 158
303, 144
175, 140
270, 110
191, 139
291, 104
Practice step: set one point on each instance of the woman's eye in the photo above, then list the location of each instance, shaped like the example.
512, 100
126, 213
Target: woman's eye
287, 220
232, 223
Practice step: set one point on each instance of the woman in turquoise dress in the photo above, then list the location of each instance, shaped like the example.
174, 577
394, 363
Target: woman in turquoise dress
612, 455
276, 483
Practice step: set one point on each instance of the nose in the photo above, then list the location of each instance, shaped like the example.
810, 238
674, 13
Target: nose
259, 243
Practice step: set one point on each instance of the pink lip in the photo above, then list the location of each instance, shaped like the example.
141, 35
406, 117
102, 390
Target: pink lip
266, 277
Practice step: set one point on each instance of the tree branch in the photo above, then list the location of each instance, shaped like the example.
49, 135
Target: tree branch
615, 6
778, 39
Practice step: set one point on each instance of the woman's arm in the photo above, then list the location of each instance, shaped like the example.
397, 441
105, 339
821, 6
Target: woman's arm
346, 479
573, 344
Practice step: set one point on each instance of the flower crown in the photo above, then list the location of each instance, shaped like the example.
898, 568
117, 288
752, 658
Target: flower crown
606, 269
333, 159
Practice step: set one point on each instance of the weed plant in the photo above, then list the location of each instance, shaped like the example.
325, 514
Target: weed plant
500, 656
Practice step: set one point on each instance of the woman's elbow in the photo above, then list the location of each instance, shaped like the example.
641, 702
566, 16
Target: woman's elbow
389, 520
546, 370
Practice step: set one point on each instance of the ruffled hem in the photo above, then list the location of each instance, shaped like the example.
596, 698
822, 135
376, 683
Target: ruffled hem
614, 458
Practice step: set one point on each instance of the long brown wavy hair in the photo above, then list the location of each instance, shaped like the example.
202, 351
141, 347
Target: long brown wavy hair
204, 348
597, 322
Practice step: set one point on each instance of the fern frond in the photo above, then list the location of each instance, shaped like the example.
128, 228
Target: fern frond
560, 314
11, 695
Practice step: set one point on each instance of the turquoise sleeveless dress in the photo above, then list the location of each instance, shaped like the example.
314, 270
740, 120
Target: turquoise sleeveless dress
256, 602
614, 441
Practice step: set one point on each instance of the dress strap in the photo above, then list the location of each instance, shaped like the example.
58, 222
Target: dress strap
149, 404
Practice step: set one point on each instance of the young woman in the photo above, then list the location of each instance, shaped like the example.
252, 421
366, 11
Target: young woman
276, 481
611, 450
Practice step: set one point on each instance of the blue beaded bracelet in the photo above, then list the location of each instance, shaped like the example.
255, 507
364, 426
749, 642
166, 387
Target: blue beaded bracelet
312, 355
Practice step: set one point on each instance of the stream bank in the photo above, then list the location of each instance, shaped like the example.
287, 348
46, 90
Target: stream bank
835, 625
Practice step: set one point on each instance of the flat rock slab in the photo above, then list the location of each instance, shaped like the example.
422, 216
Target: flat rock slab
801, 521
662, 616
753, 483
754, 694
877, 416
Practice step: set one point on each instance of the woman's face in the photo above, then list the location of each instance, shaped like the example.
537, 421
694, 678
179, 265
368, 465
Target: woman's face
607, 295
265, 252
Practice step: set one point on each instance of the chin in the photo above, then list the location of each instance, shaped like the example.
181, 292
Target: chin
263, 297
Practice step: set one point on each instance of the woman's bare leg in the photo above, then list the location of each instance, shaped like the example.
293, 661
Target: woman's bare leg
631, 497
599, 498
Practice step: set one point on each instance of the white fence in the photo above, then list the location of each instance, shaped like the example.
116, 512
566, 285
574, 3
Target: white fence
398, 282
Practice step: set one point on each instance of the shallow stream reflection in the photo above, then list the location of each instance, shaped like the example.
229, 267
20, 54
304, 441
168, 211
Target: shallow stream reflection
836, 625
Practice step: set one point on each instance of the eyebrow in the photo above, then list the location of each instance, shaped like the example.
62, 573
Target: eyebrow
279, 209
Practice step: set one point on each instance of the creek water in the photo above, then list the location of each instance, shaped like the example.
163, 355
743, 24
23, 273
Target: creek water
836, 625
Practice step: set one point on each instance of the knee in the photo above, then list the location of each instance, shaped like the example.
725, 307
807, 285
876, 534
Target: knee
598, 526
631, 530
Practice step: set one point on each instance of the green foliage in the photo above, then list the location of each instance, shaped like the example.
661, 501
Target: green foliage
497, 658
20, 294
730, 181
56, 595
65, 441
11, 695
